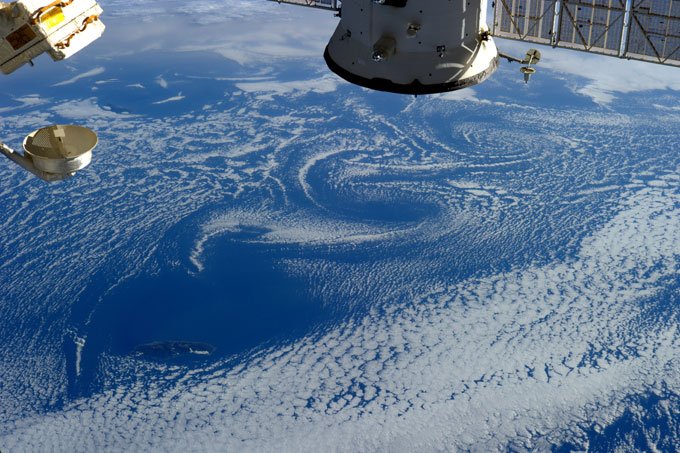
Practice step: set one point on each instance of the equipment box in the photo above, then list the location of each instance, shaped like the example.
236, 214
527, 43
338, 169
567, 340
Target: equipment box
61, 28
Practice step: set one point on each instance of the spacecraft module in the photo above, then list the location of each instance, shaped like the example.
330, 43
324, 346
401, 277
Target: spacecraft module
29, 28
413, 47
431, 46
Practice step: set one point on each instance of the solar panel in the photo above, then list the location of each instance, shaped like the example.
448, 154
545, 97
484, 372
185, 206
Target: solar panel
655, 31
647, 30
525, 20
333, 5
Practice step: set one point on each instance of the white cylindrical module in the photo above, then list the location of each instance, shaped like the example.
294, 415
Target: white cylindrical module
413, 46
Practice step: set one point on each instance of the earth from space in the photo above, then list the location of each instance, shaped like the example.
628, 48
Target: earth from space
264, 257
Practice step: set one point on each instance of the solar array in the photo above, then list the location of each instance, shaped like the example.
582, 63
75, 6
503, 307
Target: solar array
324, 4
647, 30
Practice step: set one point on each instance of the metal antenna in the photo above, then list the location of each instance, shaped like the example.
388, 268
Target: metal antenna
55, 153
532, 57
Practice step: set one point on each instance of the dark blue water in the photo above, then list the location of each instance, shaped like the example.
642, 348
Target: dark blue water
647, 424
244, 298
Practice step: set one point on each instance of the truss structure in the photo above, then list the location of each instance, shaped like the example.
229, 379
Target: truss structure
333, 5
647, 30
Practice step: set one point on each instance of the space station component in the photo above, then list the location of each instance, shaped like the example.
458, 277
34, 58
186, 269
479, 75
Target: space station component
429, 46
29, 28
55, 153
647, 30
409, 46
533, 56
416, 47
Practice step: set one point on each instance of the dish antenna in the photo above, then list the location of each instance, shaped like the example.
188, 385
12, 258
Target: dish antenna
55, 153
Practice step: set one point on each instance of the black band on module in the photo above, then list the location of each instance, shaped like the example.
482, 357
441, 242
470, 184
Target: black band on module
414, 87
395, 3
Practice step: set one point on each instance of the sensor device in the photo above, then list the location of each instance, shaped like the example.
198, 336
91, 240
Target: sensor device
55, 153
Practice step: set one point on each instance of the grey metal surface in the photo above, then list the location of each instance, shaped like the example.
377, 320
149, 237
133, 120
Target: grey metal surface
647, 30
333, 5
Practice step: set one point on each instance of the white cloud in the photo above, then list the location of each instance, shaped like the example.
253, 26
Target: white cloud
322, 85
85, 109
550, 345
31, 100
179, 97
464, 95
279, 37
84, 75
473, 363
161, 82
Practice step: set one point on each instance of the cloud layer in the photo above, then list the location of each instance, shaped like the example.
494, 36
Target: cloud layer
521, 289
